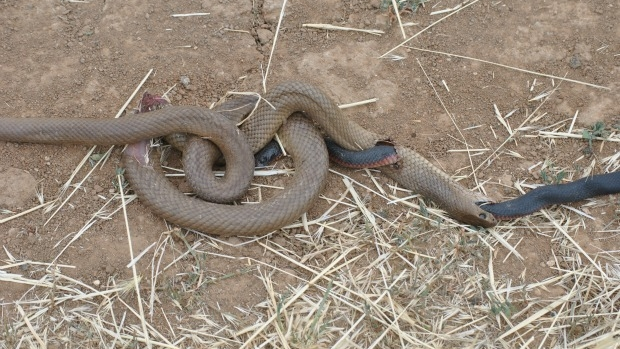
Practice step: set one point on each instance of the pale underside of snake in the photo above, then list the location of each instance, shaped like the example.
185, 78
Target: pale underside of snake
299, 135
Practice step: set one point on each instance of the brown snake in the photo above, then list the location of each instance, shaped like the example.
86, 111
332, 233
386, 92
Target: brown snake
299, 136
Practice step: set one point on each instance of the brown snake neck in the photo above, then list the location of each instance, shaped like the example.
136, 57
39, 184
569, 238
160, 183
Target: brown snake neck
301, 139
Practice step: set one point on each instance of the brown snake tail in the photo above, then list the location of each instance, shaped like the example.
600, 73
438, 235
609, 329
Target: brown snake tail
299, 136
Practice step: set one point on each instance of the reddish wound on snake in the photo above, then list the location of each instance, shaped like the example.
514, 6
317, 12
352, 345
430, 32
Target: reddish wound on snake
150, 102
140, 151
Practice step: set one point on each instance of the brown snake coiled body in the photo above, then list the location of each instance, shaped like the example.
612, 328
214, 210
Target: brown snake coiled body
299, 136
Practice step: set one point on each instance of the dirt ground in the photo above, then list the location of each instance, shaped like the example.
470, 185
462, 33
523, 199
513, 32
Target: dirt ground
84, 59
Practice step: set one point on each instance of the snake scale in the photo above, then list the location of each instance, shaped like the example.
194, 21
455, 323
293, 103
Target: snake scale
298, 134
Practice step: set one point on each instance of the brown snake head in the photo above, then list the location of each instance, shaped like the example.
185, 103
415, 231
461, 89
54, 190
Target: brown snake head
473, 214
419, 175
464, 205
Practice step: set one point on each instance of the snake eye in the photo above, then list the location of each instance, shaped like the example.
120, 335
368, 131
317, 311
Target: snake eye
483, 215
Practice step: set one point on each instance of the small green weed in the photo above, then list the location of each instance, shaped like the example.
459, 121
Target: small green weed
598, 130
550, 178
504, 307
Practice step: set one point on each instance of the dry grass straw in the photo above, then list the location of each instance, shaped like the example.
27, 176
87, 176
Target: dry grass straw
334, 27
274, 44
190, 14
511, 68
377, 269
400, 22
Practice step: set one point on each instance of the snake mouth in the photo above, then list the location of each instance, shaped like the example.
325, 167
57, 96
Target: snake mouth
486, 215
481, 204
490, 208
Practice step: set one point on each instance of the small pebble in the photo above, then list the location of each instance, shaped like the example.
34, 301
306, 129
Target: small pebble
185, 81
264, 35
